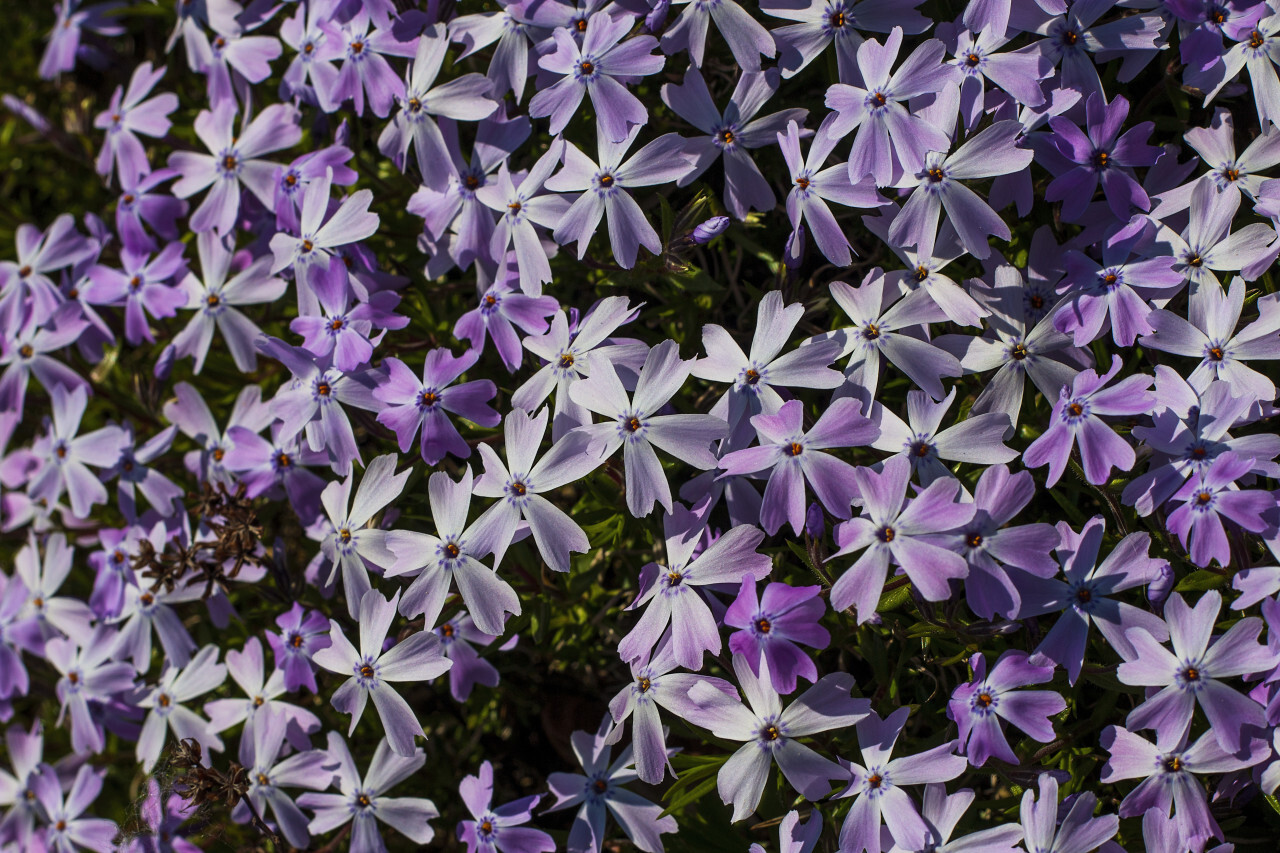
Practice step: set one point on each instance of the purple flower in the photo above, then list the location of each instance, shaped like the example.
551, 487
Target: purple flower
363, 801
268, 776
1211, 336
344, 329
992, 152
501, 309
755, 376
891, 527
302, 634
770, 734
813, 186
261, 700
1076, 417
1209, 496
350, 545
635, 425
1103, 155
365, 71
980, 707
882, 326
456, 637
1080, 830
669, 590
606, 185
601, 794
512, 28
1191, 675
372, 671
267, 466
593, 67
214, 298
1168, 775
27, 281
1229, 172
166, 708
1017, 72
64, 39
1084, 595
522, 208
977, 439
1075, 33
232, 59
732, 133
67, 828
129, 114
191, 415
521, 486
748, 40
452, 556
891, 141
498, 828
145, 287
310, 74
878, 786
26, 353
793, 457
772, 626
411, 404
134, 473
234, 159
139, 203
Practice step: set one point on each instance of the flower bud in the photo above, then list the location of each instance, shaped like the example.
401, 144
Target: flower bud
711, 229
1160, 588
793, 256
164, 364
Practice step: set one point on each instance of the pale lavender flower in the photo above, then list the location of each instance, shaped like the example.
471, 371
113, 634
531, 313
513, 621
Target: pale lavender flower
1080, 831
821, 22
601, 794
891, 527
311, 74
1084, 595
522, 207
1169, 777
1230, 172
593, 67
882, 326
269, 774
411, 404
495, 828
979, 707
794, 837
292, 181
754, 376
520, 488
372, 671
1191, 674
87, 675
214, 298
1117, 289
261, 700
1073, 32
234, 160
452, 556
134, 474
978, 439
1211, 336
570, 352
27, 279
513, 29
770, 734
268, 467
144, 285
732, 133
1208, 245
191, 415
350, 546
464, 98
605, 186
1255, 41
363, 800
813, 186
67, 827
233, 59
668, 592
878, 786
27, 352
166, 707
976, 51
748, 40
42, 576
635, 425
128, 114
941, 813
793, 456
771, 627
144, 611
68, 457
1076, 418
992, 152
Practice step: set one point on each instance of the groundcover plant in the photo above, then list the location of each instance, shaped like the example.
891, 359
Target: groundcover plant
596, 425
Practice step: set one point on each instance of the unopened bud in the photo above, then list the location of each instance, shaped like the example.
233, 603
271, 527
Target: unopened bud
1160, 588
793, 257
711, 229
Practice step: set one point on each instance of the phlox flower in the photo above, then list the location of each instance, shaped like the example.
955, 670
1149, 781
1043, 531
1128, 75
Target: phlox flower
457, 634
500, 311
980, 707
262, 699
794, 837
28, 352
191, 415
372, 671
302, 634
142, 203
166, 707
269, 774
977, 439
128, 114
411, 405
773, 625
819, 23
27, 280
498, 828
520, 200
1209, 497
365, 71
748, 40
1080, 830
67, 827
340, 327
68, 456
87, 675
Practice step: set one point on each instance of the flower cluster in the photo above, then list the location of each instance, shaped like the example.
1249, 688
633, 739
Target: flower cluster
428, 348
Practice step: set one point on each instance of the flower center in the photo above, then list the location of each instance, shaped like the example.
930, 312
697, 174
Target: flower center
1084, 595
296, 641
875, 780
128, 198
1101, 159
974, 540
763, 626
73, 677
357, 47
323, 389
878, 99
601, 786
886, 534
794, 449
262, 780
344, 534
972, 60
1195, 260
26, 351
336, 324
674, 578
427, 399
363, 801
472, 182
1076, 410
936, 176
566, 360
212, 300
726, 137
837, 20
771, 733
586, 69
164, 700
518, 488
871, 332
983, 700
229, 162
632, 424
1173, 764
1231, 174
307, 245
24, 271
452, 550
1203, 498
1070, 37
283, 460
414, 105
446, 630
1018, 352
1256, 39
367, 672
1216, 353
606, 180
258, 701
644, 684
802, 182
